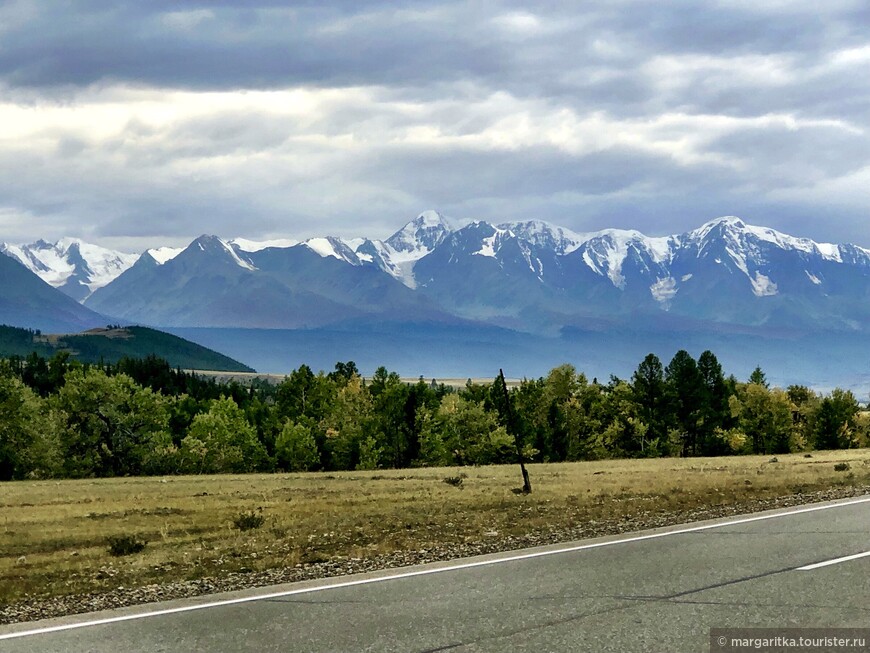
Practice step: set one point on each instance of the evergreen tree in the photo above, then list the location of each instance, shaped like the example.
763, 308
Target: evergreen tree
684, 388
650, 394
391, 417
758, 377
344, 372
714, 410
530, 420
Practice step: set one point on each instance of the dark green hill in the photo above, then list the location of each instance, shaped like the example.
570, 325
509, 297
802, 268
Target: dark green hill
112, 344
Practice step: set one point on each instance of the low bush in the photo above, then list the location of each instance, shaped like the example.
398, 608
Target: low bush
124, 545
248, 521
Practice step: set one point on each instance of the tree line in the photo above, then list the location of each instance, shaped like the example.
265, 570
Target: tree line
63, 419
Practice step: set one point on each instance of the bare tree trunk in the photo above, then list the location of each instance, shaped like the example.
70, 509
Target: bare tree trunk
511, 426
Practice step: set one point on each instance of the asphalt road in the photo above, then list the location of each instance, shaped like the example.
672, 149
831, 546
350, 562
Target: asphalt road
652, 591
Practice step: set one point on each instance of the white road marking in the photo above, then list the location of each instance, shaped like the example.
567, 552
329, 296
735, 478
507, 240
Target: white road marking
835, 561
426, 572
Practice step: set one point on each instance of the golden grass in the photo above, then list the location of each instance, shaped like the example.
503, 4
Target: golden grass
53, 534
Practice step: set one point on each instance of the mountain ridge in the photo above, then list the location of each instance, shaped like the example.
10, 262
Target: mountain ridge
530, 275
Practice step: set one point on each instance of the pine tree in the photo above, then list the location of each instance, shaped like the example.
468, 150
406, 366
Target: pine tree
649, 392
684, 386
758, 377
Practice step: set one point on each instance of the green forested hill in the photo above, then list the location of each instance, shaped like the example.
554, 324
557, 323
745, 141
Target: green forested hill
112, 344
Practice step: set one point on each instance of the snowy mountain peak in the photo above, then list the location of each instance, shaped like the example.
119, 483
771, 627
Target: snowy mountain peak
432, 218
746, 239
420, 236
334, 247
546, 235
726, 221
72, 265
606, 253
398, 254
64, 243
217, 246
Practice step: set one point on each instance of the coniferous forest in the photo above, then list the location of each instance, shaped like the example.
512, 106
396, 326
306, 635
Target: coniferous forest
60, 418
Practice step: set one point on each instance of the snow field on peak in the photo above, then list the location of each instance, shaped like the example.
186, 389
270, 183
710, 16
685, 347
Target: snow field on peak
55, 263
164, 254
544, 234
105, 265
332, 247
48, 264
488, 245
252, 246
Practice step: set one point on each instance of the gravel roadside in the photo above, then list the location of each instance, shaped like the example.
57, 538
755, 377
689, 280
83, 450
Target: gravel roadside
493, 543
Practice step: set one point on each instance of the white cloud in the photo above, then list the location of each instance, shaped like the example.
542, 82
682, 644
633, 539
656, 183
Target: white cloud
670, 72
852, 56
791, 6
305, 147
850, 190
186, 20
518, 23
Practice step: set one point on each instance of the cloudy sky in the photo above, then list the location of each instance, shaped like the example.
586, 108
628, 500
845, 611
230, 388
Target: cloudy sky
135, 124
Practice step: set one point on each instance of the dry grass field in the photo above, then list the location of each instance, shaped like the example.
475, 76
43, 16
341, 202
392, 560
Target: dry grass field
53, 534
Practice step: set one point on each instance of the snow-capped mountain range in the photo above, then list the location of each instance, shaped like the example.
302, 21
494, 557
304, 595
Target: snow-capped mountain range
530, 276
72, 265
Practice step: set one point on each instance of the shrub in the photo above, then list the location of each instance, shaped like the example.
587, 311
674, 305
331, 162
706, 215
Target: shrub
248, 521
455, 481
124, 545
841, 467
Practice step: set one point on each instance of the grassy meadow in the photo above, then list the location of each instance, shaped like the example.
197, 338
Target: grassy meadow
53, 534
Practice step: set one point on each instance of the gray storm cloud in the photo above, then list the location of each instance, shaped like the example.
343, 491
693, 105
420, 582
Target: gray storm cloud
138, 124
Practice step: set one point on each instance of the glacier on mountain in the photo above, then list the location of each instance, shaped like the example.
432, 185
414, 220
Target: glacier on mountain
78, 267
